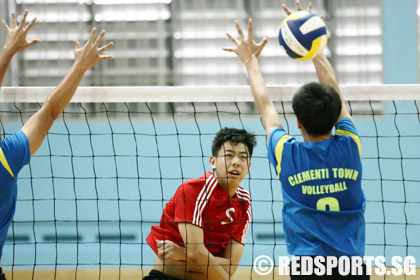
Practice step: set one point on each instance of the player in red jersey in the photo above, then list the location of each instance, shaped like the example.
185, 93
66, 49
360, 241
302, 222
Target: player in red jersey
203, 227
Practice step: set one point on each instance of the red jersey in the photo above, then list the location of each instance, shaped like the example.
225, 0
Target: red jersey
204, 203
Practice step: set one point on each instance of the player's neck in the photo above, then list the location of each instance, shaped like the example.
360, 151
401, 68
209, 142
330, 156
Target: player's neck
313, 138
317, 138
230, 190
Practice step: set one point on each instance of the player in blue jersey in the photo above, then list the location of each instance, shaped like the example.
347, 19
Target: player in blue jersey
323, 202
16, 149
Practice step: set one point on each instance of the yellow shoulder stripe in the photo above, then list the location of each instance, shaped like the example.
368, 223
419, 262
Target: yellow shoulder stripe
3, 161
352, 135
279, 152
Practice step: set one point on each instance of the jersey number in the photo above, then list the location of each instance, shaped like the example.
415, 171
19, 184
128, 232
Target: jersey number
231, 209
330, 202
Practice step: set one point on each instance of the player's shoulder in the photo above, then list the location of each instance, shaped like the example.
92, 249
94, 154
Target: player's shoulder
243, 194
279, 136
197, 184
16, 149
16, 139
277, 133
345, 126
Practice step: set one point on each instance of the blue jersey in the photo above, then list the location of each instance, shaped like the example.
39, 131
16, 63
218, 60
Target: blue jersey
323, 202
14, 154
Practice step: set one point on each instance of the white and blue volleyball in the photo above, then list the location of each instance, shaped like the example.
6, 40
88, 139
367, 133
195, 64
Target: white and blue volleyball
303, 35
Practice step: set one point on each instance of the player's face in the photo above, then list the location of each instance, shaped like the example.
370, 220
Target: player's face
231, 164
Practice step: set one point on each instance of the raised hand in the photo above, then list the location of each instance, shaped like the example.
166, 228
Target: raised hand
298, 7
88, 55
16, 34
246, 47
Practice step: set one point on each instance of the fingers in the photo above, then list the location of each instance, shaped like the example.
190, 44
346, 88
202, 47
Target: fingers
298, 6
238, 27
161, 251
164, 247
234, 40
5, 26
99, 39
89, 54
34, 41
76, 44
22, 22
104, 48
107, 46
229, 50
261, 46
246, 46
161, 243
263, 42
29, 26
288, 12
250, 30
106, 57
13, 20
92, 36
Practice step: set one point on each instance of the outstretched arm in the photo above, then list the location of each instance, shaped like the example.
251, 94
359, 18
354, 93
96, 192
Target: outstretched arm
326, 75
15, 42
86, 57
248, 52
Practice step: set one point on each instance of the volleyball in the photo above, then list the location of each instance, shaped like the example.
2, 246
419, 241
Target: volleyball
302, 35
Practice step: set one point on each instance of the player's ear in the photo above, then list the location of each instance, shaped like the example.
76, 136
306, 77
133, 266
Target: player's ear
249, 166
299, 124
212, 161
336, 122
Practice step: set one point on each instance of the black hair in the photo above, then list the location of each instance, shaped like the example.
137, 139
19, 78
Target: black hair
317, 106
235, 136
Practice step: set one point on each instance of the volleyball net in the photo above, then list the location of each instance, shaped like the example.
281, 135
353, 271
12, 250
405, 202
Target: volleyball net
116, 155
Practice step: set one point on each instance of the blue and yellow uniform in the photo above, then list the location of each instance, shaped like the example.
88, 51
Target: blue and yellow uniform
323, 202
14, 154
